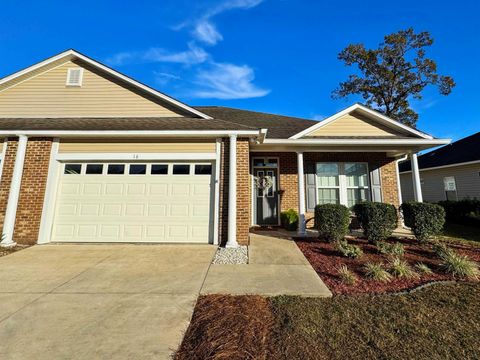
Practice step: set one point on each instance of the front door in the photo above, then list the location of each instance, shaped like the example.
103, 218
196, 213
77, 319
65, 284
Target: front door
266, 196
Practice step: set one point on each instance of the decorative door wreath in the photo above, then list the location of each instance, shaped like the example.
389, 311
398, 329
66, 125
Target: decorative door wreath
263, 182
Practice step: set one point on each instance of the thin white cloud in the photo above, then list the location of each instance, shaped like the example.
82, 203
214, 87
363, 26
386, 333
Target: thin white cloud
207, 32
319, 117
163, 78
227, 81
193, 55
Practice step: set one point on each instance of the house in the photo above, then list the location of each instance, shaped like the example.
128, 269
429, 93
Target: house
91, 155
451, 172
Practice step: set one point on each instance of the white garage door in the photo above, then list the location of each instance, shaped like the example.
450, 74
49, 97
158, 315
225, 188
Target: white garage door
122, 202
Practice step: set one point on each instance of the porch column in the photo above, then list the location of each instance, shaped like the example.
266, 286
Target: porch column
232, 194
14, 194
301, 195
417, 187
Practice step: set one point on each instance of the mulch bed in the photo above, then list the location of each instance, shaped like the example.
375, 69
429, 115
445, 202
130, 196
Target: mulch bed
325, 259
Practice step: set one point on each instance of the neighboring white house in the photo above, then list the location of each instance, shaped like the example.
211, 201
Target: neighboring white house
451, 172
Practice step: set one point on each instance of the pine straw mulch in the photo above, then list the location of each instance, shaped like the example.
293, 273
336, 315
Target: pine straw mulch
326, 260
228, 327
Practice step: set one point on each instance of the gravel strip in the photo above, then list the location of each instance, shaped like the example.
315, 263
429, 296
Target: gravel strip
231, 256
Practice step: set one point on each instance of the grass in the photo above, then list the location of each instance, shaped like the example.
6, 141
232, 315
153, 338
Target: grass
347, 276
436, 322
423, 268
400, 269
461, 233
375, 271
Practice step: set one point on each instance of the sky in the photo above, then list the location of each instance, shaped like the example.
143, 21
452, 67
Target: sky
277, 56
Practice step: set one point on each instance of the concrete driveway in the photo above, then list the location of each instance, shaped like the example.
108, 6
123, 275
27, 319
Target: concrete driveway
98, 301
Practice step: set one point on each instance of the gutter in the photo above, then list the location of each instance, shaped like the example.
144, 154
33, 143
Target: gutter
135, 133
357, 141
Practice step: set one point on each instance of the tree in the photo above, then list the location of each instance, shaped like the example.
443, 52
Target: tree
393, 74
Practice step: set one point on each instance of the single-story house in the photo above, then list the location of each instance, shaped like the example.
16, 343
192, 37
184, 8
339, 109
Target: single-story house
92, 155
451, 172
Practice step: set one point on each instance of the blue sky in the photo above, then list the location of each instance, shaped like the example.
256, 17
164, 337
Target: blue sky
276, 56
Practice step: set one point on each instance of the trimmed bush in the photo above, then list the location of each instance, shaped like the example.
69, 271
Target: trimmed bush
378, 220
349, 250
426, 220
331, 221
289, 219
396, 249
465, 212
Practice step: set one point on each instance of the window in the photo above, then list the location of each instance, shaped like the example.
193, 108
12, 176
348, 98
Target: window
203, 169
181, 169
73, 169
265, 162
328, 183
342, 183
94, 169
138, 169
116, 169
158, 169
74, 77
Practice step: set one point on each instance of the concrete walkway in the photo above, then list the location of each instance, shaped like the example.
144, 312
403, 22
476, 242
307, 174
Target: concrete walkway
98, 301
276, 267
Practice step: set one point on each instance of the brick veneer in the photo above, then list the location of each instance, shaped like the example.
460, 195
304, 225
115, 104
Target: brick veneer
288, 178
243, 191
32, 190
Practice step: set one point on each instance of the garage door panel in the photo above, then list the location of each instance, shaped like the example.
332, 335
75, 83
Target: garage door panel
134, 208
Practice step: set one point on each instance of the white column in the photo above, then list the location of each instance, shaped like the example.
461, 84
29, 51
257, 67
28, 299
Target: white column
232, 194
301, 195
417, 186
14, 194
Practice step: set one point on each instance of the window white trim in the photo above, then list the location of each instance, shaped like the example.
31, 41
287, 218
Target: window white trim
342, 182
69, 82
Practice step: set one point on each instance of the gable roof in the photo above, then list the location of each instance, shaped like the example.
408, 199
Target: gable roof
374, 115
73, 54
279, 126
461, 151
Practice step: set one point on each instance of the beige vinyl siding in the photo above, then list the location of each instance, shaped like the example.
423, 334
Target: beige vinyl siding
467, 180
136, 146
354, 125
46, 95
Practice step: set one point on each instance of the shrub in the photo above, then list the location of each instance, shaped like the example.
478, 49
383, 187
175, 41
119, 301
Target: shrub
423, 268
331, 221
376, 272
346, 275
289, 219
425, 219
401, 269
456, 264
378, 220
349, 250
395, 249
466, 211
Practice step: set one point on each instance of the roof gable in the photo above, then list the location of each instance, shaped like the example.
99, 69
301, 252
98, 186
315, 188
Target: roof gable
358, 120
42, 88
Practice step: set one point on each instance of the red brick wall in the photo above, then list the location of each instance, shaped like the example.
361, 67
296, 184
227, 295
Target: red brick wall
32, 190
243, 191
288, 178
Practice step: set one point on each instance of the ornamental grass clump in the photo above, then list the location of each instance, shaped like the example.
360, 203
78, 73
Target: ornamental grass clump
331, 221
396, 249
349, 250
375, 271
347, 276
423, 268
459, 266
400, 269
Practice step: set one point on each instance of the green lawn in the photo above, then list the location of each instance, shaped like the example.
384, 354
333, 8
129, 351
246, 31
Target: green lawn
463, 233
438, 322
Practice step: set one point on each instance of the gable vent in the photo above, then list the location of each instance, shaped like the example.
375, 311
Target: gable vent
74, 77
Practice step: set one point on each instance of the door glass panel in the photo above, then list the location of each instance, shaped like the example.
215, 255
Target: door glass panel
94, 169
271, 189
116, 169
356, 174
73, 169
327, 174
138, 169
328, 196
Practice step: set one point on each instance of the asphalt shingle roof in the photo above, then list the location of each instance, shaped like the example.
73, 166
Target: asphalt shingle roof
463, 150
